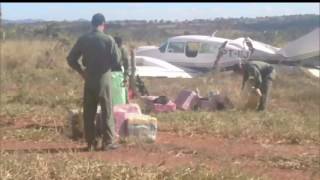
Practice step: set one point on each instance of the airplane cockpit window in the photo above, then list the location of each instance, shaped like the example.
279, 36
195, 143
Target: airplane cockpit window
176, 47
208, 48
192, 49
163, 47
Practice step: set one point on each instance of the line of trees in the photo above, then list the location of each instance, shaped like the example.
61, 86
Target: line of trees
272, 30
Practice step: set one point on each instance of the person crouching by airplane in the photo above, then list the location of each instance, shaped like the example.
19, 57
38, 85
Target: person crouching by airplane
249, 44
262, 73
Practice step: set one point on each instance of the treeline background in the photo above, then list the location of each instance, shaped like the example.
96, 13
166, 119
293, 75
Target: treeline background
277, 30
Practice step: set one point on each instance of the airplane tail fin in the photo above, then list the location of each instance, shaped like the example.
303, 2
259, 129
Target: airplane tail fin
305, 47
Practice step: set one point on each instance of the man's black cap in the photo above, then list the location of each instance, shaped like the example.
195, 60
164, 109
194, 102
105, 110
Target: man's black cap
98, 19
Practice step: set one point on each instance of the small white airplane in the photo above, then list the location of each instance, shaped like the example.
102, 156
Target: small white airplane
190, 55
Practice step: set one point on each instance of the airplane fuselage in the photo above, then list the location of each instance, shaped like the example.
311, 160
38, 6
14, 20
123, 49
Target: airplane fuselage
193, 51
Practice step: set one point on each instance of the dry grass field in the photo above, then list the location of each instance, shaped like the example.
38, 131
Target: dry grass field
38, 87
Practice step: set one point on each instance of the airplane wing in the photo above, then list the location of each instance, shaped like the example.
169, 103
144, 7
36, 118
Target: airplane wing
312, 72
153, 67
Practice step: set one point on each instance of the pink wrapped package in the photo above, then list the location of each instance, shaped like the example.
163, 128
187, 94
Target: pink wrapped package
121, 114
186, 100
130, 108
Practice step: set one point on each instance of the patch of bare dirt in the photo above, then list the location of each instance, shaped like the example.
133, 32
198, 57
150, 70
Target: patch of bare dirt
28, 122
172, 150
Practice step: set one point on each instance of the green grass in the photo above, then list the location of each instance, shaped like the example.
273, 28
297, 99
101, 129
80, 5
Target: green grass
71, 166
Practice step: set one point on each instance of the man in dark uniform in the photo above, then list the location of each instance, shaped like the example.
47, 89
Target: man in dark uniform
263, 74
99, 55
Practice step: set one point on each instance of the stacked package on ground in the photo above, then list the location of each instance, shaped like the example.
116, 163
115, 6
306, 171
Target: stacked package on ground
187, 100
253, 100
215, 101
130, 122
218, 102
152, 105
121, 114
250, 97
206, 105
143, 127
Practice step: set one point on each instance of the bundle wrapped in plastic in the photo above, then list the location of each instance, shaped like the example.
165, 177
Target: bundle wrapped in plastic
142, 127
250, 96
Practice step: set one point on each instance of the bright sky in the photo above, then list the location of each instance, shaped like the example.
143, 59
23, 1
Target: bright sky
152, 11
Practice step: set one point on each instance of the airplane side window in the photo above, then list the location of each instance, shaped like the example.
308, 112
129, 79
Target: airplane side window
176, 47
192, 49
208, 48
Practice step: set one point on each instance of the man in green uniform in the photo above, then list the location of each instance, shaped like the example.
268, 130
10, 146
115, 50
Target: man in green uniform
263, 74
124, 61
100, 55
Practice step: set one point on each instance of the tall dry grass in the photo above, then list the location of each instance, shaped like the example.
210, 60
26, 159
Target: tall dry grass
292, 117
70, 166
35, 75
33, 87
